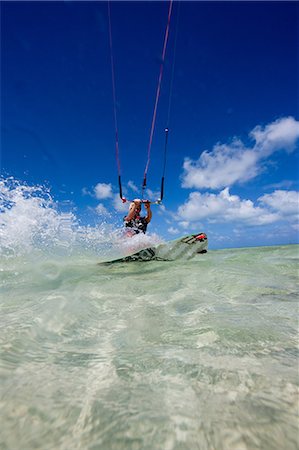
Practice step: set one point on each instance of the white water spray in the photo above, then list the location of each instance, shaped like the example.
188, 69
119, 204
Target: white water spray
31, 220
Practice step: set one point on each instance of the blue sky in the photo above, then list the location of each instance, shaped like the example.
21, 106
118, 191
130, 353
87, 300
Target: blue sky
232, 166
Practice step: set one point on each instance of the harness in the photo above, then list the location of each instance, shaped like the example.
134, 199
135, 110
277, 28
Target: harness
137, 223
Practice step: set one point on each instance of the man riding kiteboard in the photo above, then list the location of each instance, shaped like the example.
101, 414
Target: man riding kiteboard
136, 222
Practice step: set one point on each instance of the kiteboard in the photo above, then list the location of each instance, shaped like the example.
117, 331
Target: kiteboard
183, 249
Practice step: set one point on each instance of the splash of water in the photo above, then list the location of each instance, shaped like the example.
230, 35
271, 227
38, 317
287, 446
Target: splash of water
31, 220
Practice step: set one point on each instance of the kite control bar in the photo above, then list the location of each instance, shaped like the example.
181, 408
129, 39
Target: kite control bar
156, 202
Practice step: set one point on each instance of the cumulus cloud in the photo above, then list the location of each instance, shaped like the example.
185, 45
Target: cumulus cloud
279, 135
285, 202
103, 190
118, 205
224, 166
224, 207
228, 164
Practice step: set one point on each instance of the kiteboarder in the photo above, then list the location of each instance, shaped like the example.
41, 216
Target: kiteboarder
136, 222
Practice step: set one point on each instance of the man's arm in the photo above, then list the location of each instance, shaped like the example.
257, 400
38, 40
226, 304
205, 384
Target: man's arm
131, 212
148, 212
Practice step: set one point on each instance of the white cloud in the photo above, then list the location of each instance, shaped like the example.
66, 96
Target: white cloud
184, 224
287, 184
228, 164
173, 230
118, 205
103, 190
162, 210
224, 166
133, 186
279, 135
285, 202
152, 195
224, 207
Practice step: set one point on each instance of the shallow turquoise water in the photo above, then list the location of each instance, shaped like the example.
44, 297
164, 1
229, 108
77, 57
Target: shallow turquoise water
195, 355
